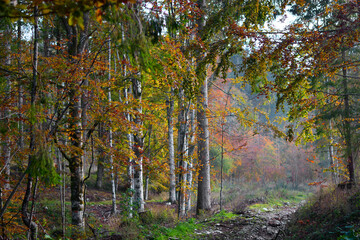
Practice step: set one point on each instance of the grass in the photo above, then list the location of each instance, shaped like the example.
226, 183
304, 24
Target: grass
277, 199
183, 230
162, 197
223, 216
186, 230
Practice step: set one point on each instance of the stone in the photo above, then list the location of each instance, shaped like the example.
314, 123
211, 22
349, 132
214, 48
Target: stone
274, 223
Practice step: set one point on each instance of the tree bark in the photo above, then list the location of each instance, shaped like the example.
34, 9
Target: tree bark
61, 168
26, 216
182, 155
20, 90
138, 148
147, 178
146, 197
170, 110
76, 47
101, 159
112, 174
347, 125
6, 150
191, 153
204, 191
129, 137
130, 168
331, 156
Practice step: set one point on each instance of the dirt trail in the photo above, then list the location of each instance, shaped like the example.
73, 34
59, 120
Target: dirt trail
261, 224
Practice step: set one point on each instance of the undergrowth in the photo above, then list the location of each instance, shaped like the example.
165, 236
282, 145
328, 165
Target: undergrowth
331, 214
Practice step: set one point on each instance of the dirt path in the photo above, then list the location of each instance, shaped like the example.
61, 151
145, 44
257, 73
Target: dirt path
261, 224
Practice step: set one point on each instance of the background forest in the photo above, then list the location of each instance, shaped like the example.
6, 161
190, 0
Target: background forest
119, 114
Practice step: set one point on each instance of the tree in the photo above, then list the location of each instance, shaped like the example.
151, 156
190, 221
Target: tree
26, 216
204, 190
314, 57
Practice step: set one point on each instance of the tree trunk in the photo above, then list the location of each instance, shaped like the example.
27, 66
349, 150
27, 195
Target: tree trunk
84, 120
191, 153
138, 148
26, 216
112, 174
6, 151
20, 90
170, 110
146, 197
331, 156
222, 163
101, 159
347, 125
204, 191
61, 170
130, 169
182, 154
76, 47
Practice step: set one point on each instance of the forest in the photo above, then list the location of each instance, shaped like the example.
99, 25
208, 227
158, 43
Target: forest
179, 119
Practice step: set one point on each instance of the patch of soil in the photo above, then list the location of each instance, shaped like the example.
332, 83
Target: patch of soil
251, 225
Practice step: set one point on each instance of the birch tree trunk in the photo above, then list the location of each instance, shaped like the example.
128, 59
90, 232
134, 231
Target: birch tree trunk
112, 174
182, 154
170, 110
138, 148
130, 168
129, 137
191, 153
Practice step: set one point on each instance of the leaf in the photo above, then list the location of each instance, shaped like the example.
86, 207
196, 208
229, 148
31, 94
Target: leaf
71, 20
98, 13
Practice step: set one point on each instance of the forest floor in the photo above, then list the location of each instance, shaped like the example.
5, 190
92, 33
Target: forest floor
261, 216
254, 223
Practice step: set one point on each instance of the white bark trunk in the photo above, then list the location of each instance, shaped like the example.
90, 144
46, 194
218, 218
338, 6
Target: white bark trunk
191, 152
138, 148
170, 110
130, 169
129, 137
182, 155
112, 174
